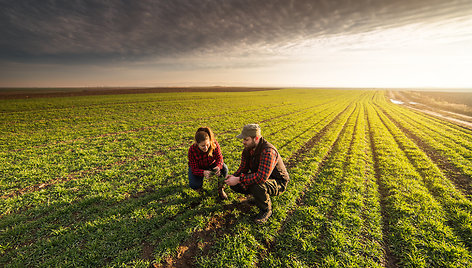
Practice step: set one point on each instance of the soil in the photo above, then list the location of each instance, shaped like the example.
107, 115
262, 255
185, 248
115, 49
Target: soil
460, 180
390, 260
300, 154
220, 225
201, 241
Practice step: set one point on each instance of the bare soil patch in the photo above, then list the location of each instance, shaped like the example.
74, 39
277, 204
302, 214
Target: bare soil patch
201, 241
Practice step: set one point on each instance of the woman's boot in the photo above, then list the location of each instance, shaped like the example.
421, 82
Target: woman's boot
221, 192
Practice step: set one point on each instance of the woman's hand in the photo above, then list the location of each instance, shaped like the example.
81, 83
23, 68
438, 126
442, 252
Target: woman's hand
217, 171
207, 174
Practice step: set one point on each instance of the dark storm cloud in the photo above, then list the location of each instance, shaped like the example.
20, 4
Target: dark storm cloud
127, 30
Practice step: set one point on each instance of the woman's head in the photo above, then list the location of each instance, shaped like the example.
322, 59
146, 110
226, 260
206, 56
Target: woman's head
205, 140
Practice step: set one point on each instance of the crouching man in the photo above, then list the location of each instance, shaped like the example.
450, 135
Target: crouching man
261, 173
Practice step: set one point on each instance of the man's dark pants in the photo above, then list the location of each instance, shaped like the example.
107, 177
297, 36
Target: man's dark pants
260, 192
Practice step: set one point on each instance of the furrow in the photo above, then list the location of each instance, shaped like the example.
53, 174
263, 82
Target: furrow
391, 260
209, 243
461, 180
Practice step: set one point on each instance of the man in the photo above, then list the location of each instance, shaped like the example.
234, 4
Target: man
261, 173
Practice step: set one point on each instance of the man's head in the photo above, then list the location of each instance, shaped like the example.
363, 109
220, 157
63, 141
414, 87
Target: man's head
251, 135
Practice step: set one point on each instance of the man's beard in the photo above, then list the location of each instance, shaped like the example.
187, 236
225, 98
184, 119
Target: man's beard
251, 146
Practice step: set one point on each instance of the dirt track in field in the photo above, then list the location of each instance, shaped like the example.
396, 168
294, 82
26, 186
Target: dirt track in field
71, 92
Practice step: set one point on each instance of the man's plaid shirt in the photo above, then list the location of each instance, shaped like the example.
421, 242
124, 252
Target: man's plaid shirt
199, 161
266, 165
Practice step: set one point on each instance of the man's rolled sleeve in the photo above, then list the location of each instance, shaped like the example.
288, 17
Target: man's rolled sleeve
242, 167
266, 165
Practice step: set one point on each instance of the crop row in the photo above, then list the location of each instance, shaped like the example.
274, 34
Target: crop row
458, 210
453, 143
123, 158
30, 128
89, 209
60, 160
361, 192
338, 221
249, 242
462, 181
417, 229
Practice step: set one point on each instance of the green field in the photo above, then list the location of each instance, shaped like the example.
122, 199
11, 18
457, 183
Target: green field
102, 181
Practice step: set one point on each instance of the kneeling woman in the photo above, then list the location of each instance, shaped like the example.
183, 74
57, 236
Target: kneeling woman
205, 159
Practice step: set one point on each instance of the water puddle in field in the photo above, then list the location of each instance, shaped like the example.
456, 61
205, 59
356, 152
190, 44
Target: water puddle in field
464, 122
454, 120
466, 117
396, 101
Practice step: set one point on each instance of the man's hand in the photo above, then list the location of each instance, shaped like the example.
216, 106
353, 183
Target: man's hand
206, 174
232, 180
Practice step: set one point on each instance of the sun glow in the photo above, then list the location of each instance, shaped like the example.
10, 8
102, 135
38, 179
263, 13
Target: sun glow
417, 55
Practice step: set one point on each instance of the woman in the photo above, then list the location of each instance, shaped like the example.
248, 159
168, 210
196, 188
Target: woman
204, 160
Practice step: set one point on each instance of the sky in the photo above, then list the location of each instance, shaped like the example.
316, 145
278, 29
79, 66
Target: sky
276, 43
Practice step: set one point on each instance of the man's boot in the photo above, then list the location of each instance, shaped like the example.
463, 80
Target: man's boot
263, 216
265, 211
251, 200
221, 192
